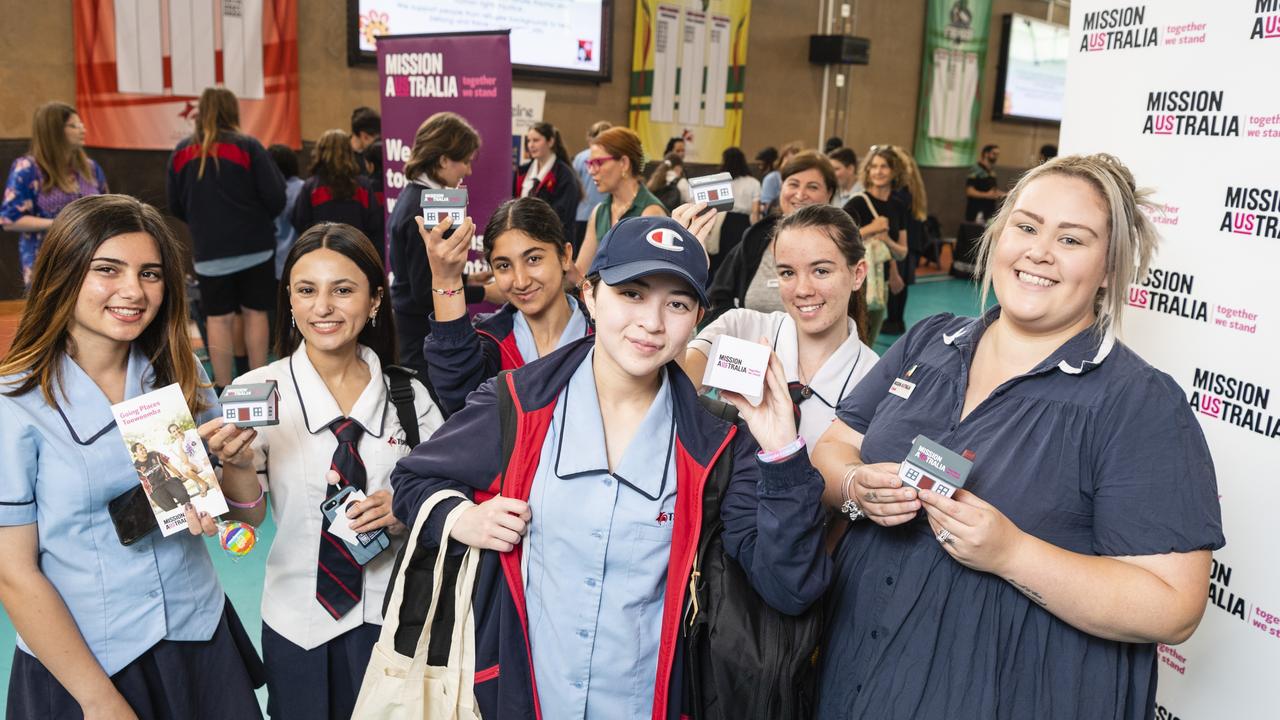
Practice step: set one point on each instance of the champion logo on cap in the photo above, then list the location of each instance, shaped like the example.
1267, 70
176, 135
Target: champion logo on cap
665, 238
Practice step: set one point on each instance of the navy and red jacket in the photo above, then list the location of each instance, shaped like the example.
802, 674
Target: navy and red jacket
319, 203
559, 187
232, 209
460, 356
772, 521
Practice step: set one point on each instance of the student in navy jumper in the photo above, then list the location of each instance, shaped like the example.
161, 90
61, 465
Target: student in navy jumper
564, 628
525, 245
441, 157
229, 191
548, 174
336, 192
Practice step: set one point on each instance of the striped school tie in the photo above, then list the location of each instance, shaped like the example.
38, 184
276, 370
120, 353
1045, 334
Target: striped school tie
339, 578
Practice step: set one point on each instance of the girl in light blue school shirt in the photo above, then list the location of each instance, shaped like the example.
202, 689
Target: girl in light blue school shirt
105, 630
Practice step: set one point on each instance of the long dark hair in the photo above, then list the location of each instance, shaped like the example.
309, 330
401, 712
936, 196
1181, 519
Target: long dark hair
734, 162
549, 131
379, 336
531, 216
57, 159
841, 230
43, 334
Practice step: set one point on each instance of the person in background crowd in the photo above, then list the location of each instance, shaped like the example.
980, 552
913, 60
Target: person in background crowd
845, 162
617, 440
771, 184
818, 337
336, 192
832, 144
767, 159
548, 174
591, 196
443, 149
286, 161
674, 145
982, 187
1048, 152
748, 277
105, 630
526, 247
229, 191
746, 188
909, 191
1083, 534
615, 163
54, 172
321, 611
667, 181
882, 221
366, 143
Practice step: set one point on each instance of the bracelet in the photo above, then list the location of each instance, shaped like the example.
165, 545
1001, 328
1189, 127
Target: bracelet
448, 293
247, 506
786, 451
849, 506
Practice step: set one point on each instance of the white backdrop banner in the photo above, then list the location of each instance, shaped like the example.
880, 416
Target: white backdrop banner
1184, 92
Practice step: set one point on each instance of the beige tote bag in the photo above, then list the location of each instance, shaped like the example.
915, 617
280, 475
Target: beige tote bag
407, 688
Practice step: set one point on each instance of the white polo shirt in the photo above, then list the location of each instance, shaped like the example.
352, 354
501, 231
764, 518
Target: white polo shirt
295, 456
834, 380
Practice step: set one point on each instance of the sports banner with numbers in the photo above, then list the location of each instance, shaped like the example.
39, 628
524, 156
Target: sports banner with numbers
687, 71
1181, 91
955, 51
142, 64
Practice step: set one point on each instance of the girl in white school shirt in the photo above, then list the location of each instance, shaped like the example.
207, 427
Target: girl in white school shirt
821, 270
336, 335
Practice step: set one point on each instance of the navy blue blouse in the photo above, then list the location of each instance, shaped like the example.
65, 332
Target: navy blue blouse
1093, 450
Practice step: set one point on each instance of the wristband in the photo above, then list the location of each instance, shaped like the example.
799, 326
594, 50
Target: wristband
448, 293
783, 452
849, 506
246, 506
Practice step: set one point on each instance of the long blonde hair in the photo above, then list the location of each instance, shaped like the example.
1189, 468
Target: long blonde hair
43, 334
57, 159
219, 111
1131, 236
909, 177
334, 162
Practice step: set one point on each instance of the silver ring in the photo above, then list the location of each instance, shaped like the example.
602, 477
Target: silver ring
945, 536
851, 509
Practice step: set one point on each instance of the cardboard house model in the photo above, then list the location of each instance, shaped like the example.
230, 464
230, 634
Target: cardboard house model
251, 404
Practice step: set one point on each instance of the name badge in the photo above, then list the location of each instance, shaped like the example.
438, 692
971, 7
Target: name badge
902, 388
773, 283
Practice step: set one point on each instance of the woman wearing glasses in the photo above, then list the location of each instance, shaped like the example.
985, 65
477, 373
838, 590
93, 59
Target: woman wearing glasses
615, 163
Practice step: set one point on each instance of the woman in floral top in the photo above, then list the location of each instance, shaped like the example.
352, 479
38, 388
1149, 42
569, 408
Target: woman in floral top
47, 179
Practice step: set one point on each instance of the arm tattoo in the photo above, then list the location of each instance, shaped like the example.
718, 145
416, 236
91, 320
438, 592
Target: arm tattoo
1035, 597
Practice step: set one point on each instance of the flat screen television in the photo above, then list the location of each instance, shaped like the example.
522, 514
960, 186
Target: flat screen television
560, 38
1031, 78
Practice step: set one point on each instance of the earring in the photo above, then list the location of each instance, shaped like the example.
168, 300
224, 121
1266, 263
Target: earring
373, 319
293, 321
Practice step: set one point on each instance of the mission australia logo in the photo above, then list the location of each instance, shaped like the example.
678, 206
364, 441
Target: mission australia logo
1251, 211
1234, 401
1169, 292
1266, 21
1118, 29
1189, 112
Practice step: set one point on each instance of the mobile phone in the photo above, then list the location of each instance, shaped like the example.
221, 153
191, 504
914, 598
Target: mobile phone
132, 516
368, 544
444, 203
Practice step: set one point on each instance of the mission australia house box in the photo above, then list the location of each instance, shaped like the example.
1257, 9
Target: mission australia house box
251, 404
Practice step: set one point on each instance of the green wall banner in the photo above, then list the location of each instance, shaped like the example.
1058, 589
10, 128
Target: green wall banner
955, 51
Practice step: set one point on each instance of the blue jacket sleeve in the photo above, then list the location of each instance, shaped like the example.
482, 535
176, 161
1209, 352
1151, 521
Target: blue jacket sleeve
465, 454
773, 526
459, 359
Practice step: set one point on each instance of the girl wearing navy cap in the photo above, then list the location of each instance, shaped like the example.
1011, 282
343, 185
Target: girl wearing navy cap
598, 518
525, 245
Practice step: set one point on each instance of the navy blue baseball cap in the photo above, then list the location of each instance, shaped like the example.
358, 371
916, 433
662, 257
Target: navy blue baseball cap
641, 246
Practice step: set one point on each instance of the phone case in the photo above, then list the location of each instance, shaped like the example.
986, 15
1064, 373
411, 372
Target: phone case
371, 543
132, 516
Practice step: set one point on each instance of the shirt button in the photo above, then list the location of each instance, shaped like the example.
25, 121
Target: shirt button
875, 634
582, 633
888, 581
608, 482
591, 582
578, 684
597, 534
153, 593
858, 689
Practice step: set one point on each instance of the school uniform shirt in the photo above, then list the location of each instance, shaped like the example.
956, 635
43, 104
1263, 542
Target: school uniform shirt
595, 593
295, 455
528, 347
837, 377
746, 191
62, 465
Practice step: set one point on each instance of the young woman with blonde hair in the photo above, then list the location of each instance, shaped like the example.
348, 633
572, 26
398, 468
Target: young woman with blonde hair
336, 191
105, 630
54, 172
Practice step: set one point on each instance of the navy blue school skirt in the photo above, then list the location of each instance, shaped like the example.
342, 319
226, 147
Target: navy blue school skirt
213, 678
319, 683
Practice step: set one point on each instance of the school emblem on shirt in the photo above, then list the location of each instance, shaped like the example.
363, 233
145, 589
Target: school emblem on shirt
665, 517
902, 388
666, 239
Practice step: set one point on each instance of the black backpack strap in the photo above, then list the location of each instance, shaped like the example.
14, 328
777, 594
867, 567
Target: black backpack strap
508, 421
401, 390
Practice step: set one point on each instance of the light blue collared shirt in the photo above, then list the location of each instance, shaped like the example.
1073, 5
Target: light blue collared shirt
595, 643
593, 197
528, 347
62, 465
